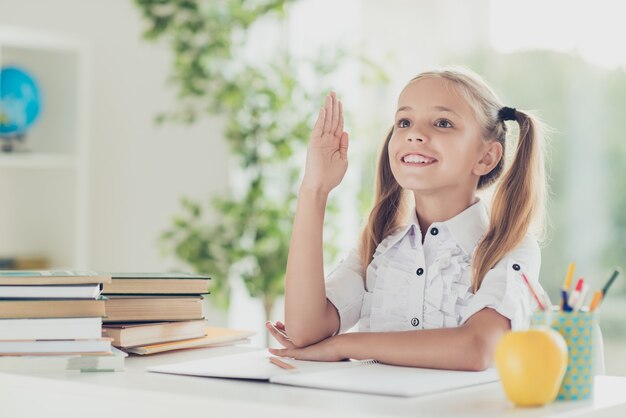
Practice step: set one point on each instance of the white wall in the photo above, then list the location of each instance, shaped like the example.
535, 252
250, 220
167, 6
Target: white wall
138, 171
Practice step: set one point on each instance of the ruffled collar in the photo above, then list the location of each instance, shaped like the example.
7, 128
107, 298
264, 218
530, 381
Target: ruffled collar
467, 228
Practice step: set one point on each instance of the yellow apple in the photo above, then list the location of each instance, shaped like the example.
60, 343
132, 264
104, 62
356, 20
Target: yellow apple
531, 365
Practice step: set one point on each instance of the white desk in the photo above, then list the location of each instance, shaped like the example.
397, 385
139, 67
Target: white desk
137, 393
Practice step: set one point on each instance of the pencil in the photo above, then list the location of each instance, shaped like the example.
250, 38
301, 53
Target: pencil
597, 297
546, 299
533, 292
281, 364
564, 305
581, 298
610, 282
573, 297
566, 285
569, 276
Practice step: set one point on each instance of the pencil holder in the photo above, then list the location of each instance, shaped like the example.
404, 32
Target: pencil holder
576, 327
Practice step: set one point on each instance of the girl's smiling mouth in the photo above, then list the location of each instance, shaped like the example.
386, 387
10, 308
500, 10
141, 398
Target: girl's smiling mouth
416, 159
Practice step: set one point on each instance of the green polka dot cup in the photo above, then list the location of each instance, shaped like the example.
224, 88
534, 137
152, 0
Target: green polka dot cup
576, 327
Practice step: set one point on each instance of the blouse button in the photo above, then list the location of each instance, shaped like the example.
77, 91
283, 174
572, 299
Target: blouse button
516, 267
415, 322
420, 271
434, 231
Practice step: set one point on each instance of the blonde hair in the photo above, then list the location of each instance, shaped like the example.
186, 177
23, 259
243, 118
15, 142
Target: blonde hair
519, 197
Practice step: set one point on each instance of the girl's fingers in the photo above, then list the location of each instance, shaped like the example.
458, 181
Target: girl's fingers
280, 325
339, 129
281, 352
275, 327
296, 353
280, 337
319, 124
281, 340
328, 114
281, 329
335, 116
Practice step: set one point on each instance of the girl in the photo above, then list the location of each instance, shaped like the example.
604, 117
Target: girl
439, 287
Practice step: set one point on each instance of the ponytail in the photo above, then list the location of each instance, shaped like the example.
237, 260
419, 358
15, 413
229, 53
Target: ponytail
517, 201
389, 208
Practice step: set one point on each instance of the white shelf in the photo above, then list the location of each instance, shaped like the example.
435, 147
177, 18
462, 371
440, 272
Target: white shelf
37, 160
47, 180
28, 38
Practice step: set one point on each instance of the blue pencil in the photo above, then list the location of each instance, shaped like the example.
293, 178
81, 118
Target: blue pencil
566, 307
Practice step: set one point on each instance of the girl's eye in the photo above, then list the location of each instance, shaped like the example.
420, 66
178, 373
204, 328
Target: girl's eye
403, 123
443, 123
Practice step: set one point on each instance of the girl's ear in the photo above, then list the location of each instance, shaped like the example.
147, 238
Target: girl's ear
492, 153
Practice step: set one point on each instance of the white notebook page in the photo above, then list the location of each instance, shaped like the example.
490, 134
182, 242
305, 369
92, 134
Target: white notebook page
350, 376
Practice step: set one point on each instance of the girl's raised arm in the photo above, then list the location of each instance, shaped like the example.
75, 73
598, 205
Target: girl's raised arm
309, 316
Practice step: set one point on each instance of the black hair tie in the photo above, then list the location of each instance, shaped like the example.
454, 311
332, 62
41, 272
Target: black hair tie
507, 113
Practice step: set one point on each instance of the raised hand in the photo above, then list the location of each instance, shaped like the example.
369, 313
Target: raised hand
327, 151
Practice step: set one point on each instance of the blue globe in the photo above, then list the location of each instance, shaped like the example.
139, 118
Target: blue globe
19, 101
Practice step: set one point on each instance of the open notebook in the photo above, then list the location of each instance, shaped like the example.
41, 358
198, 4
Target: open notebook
351, 376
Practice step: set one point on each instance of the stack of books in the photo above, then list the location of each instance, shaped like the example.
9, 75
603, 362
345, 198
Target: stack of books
52, 320
154, 312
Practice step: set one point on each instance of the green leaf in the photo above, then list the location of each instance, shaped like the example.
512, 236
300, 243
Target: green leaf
268, 116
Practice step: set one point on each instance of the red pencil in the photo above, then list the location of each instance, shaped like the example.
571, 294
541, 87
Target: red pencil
543, 308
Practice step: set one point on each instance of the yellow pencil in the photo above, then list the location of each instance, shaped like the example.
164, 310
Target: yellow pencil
597, 297
568, 278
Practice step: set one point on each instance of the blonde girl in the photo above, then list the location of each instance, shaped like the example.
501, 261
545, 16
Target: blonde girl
436, 278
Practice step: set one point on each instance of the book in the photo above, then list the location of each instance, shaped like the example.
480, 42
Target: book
367, 376
32, 277
136, 334
125, 308
81, 363
50, 328
82, 291
157, 283
51, 308
101, 345
215, 337
24, 262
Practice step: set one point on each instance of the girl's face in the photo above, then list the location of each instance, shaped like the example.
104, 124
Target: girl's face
436, 142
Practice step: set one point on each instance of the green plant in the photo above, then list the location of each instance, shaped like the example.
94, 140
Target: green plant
269, 115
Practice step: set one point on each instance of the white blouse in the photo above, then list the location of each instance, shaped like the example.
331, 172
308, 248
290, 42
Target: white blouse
413, 285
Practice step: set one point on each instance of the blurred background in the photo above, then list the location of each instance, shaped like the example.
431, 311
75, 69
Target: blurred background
170, 135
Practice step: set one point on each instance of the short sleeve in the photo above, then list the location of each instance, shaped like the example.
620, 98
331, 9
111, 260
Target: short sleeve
504, 288
345, 287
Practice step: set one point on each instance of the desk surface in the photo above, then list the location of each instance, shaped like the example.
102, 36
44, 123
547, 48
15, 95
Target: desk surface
140, 393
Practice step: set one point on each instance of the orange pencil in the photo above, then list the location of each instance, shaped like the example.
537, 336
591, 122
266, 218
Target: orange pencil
597, 298
281, 364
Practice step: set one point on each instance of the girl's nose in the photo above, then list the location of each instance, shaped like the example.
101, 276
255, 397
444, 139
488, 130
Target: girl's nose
415, 139
415, 134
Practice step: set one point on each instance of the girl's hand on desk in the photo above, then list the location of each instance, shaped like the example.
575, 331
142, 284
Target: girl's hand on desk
327, 151
326, 350
278, 332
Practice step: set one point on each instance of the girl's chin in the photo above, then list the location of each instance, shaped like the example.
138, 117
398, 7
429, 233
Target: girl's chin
419, 182
421, 187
